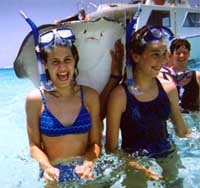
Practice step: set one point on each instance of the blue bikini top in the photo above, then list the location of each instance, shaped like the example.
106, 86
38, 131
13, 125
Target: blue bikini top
51, 126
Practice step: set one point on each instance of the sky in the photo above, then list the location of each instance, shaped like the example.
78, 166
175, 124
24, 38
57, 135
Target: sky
14, 28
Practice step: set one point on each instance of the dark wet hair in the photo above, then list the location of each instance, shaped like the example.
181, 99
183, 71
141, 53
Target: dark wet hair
75, 54
135, 45
177, 43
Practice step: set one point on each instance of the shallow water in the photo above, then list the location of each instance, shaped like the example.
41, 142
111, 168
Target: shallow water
18, 170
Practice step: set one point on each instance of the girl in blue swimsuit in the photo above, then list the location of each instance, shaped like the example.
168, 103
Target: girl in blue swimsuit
64, 125
141, 109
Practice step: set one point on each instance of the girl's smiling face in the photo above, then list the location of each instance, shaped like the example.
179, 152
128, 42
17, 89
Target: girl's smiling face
61, 66
152, 59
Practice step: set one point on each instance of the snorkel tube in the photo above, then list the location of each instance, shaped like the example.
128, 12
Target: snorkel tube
47, 84
133, 89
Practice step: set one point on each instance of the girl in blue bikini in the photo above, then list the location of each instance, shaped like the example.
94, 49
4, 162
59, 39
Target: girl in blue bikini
64, 125
141, 110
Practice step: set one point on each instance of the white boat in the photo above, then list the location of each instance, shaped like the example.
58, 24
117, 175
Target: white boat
182, 18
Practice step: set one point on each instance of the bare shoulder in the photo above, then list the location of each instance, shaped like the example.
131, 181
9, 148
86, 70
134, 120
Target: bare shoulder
91, 96
198, 73
34, 98
117, 100
118, 97
90, 92
198, 76
118, 92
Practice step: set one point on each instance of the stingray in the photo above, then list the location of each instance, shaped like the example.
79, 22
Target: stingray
94, 39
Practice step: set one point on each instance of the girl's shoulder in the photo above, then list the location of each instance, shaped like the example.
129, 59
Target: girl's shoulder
89, 91
90, 95
120, 89
118, 92
33, 102
34, 96
91, 98
198, 77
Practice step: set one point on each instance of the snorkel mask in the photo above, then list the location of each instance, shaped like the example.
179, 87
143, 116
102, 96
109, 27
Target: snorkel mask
54, 37
152, 34
46, 41
157, 33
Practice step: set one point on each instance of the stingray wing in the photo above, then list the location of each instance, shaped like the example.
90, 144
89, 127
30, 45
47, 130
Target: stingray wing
25, 64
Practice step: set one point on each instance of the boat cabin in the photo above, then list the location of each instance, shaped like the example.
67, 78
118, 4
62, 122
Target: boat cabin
180, 17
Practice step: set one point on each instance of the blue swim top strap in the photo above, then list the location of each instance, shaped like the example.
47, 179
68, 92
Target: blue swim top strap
82, 95
43, 97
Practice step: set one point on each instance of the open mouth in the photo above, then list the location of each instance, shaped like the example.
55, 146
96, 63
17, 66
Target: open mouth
63, 76
181, 60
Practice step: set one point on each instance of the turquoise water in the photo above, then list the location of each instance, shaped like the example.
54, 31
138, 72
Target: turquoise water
18, 170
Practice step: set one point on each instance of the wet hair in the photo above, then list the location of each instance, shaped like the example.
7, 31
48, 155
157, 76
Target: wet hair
177, 43
135, 45
75, 54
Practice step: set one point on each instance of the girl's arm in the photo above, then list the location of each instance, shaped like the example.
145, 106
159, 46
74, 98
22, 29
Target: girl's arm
116, 106
94, 144
198, 81
176, 116
33, 110
94, 141
147, 171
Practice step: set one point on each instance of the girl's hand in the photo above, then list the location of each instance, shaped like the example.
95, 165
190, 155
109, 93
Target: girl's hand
152, 175
51, 174
147, 172
193, 135
85, 170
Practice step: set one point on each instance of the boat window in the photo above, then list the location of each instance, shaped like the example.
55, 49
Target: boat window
159, 17
192, 20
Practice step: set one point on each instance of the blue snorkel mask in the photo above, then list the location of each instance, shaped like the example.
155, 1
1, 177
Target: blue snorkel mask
156, 33
46, 41
153, 34
54, 37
